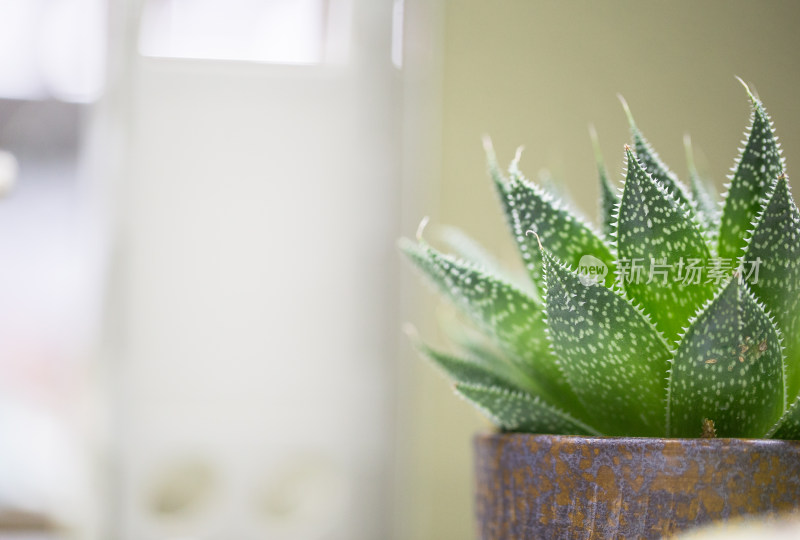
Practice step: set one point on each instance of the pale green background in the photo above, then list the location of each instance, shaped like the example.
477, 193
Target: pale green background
536, 73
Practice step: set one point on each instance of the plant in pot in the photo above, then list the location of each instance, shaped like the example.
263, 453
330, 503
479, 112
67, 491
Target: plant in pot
645, 379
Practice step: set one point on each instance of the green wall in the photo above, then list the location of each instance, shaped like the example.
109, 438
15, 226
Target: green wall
535, 73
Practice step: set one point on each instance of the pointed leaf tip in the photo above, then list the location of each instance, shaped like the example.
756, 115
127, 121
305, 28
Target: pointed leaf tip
564, 233
514, 166
538, 240
495, 173
598, 155
421, 228
759, 163
411, 331
703, 195
655, 167
747, 89
512, 318
627, 110
608, 198
657, 241
688, 150
487, 144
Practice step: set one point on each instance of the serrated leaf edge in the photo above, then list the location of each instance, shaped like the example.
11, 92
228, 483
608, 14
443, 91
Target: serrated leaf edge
699, 313
680, 206
552, 259
637, 134
756, 106
556, 204
429, 354
524, 396
406, 244
764, 203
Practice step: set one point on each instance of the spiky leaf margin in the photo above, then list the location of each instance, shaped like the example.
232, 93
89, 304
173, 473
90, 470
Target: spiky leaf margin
518, 411
653, 164
703, 197
758, 165
477, 347
609, 351
504, 312
788, 427
468, 249
509, 405
609, 198
553, 185
470, 371
498, 180
567, 236
728, 368
657, 235
773, 250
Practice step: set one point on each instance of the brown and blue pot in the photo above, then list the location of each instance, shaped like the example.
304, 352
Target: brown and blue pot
555, 486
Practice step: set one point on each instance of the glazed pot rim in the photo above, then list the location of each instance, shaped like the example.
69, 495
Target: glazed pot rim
487, 436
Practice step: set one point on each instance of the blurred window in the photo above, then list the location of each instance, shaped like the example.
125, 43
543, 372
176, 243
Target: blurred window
272, 31
52, 49
52, 69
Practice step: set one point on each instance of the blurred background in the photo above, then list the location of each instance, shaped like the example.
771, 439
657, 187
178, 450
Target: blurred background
201, 300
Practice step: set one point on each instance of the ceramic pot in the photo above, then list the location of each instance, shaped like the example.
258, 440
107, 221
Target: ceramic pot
555, 486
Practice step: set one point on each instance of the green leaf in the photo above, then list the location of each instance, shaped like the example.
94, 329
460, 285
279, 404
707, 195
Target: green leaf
507, 314
609, 351
469, 249
772, 268
656, 168
553, 186
498, 307
609, 199
657, 241
788, 427
703, 196
518, 411
469, 371
498, 180
477, 348
566, 235
757, 167
728, 368
529, 207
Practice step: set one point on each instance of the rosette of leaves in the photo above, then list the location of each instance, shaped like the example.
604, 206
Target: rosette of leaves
671, 319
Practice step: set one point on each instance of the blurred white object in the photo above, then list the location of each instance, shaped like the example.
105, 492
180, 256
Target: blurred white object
274, 31
398, 10
786, 528
37, 463
8, 172
254, 312
52, 49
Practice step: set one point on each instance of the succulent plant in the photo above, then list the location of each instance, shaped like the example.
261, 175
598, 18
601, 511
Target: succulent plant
674, 319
